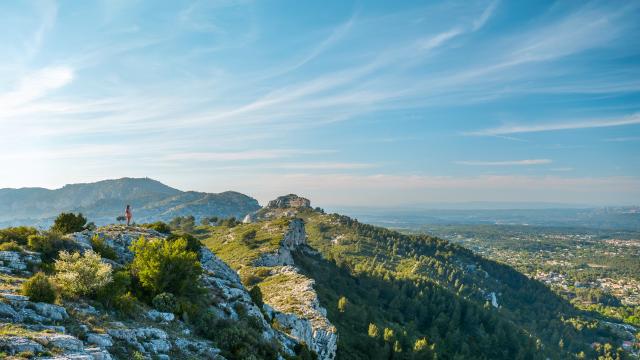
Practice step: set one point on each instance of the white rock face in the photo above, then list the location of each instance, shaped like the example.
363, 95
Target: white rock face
293, 238
294, 304
17, 262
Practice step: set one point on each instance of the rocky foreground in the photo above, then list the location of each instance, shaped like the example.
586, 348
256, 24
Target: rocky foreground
77, 330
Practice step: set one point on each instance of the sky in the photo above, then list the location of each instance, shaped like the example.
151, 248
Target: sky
357, 103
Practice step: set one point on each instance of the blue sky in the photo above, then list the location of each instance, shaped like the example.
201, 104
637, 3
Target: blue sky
348, 103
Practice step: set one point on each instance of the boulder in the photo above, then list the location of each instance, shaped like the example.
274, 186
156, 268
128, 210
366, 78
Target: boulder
64, 342
102, 340
16, 344
50, 311
160, 316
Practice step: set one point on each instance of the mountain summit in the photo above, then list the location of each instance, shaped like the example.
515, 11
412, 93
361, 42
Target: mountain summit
102, 201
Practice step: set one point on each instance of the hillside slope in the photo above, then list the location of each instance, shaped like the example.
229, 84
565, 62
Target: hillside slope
104, 200
393, 295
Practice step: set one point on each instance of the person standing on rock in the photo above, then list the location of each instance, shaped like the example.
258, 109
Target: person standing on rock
128, 214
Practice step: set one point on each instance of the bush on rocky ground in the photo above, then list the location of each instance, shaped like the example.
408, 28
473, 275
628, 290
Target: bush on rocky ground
18, 234
158, 226
10, 246
39, 289
67, 223
49, 244
165, 266
165, 302
81, 275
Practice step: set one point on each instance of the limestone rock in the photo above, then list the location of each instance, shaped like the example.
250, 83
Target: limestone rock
50, 311
102, 340
64, 342
16, 344
160, 316
17, 262
289, 201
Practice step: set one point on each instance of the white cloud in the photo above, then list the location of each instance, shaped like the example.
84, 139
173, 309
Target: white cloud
572, 125
36, 85
243, 155
486, 15
506, 163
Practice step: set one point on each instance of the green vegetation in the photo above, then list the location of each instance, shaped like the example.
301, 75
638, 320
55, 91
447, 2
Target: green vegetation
238, 339
19, 234
243, 244
38, 288
165, 302
596, 270
158, 226
104, 250
165, 266
81, 275
49, 244
415, 266
67, 223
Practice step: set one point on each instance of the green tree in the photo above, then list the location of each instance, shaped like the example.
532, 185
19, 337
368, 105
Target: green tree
342, 304
165, 266
373, 331
256, 296
67, 223
388, 335
421, 345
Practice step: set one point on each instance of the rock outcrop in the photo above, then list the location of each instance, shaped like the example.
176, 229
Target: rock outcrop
289, 201
17, 261
294, 237
293, 303
290, 299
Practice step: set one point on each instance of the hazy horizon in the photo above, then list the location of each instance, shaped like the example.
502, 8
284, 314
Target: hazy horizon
346, 103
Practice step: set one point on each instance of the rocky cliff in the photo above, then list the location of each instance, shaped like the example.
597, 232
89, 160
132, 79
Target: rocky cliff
289, 296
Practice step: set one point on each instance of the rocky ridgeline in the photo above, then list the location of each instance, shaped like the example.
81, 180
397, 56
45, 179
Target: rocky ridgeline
71, 331
288, 295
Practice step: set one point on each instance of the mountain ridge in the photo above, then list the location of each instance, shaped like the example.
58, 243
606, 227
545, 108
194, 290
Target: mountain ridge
102, 201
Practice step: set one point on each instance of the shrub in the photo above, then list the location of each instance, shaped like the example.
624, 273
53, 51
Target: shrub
19, 234
166, 266
165, 302
248, 235
10, 246
49, 244
39, 289
81, 275
119, 285
159, 226
193, 244
99, 246
67, 223
256, 296
126, 303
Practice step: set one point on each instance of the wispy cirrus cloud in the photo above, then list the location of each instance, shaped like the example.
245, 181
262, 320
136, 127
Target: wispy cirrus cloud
35, 85
526, 162
633, 119
243, 155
